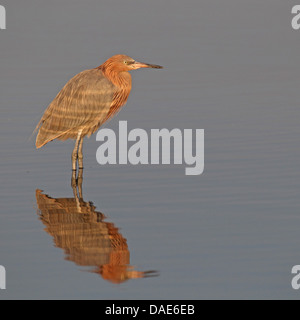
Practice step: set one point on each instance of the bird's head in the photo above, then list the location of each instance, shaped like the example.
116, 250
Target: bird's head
121, 63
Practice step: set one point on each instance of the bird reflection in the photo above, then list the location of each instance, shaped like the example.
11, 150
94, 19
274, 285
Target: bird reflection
84, 235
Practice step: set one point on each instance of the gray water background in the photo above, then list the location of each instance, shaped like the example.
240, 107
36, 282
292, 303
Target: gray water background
231, 68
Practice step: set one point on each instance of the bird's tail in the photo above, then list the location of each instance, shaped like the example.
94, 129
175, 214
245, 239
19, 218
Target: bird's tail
40, 138
47, 132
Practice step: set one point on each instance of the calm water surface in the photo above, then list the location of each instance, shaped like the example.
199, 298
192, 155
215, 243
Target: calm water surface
150, 232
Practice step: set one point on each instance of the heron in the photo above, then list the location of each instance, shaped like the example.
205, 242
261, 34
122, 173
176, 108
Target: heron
86, 102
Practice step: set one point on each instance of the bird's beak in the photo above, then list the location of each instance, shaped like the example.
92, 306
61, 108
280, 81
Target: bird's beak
137, 65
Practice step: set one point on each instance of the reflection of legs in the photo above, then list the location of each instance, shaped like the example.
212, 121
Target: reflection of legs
80, 155
79, 182
74, 184
75, 150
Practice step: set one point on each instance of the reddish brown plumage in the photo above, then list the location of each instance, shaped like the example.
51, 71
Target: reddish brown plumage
122, 80
88, 100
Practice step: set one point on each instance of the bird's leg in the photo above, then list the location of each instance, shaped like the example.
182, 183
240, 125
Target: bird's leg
80, 155
75, 151
74, 155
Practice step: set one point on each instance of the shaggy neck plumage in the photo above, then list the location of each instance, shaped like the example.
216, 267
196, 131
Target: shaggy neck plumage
122, 81
120, 78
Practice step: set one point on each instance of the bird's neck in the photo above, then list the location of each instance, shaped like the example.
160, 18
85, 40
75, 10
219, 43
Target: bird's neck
122, 82
122, 79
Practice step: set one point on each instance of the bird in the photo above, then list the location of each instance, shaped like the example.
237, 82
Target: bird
86, 102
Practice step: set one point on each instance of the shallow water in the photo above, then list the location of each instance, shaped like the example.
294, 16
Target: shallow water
231, 68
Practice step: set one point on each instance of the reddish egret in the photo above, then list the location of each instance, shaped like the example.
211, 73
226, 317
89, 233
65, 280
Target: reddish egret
87, 101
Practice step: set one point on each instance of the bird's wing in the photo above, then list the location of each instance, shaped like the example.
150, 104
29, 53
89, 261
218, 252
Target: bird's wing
85, 98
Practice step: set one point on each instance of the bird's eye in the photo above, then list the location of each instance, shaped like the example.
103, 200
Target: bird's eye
125, 61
